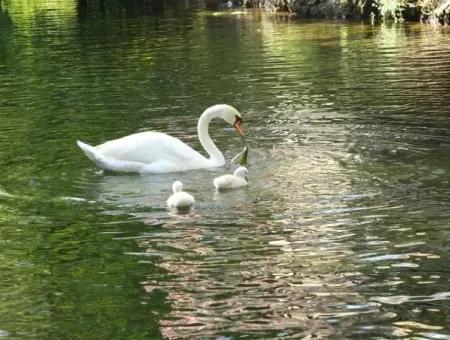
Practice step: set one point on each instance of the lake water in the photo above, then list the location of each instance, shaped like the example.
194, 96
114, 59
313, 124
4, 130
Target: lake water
343, 231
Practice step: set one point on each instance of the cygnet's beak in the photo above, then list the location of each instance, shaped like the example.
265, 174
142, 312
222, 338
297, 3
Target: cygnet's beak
237, 126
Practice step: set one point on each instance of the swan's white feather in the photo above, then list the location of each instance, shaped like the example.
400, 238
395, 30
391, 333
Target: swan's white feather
156, 152
153, 152
180, 200
148, 147
109, 163
237, 180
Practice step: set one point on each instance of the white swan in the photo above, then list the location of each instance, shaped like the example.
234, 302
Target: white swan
156, 152
180, 199
237, 180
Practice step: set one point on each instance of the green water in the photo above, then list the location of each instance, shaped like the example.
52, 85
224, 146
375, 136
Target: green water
342, 233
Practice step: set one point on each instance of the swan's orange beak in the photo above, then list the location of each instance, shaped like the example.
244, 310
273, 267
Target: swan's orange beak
237, 125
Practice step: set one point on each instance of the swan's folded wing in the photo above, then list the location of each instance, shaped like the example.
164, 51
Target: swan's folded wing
224, 182
150, 147
180, 200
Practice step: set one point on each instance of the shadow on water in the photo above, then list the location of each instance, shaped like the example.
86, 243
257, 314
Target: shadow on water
6, 27
5, 20
118, 8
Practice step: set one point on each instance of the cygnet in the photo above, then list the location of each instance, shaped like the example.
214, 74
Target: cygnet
180, 199
237, 180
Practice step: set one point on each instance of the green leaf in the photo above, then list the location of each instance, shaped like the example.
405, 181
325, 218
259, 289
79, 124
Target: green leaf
244, 157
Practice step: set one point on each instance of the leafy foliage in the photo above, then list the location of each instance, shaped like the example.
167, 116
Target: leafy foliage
432, 11
391, 9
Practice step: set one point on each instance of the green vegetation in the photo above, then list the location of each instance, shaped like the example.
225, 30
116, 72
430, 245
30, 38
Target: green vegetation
244, 157
432, 11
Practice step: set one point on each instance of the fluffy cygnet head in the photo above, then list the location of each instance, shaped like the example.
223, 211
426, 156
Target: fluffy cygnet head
177, 186
241, 172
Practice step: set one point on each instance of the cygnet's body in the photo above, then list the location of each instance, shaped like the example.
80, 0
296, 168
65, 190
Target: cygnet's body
180, 199
237, 180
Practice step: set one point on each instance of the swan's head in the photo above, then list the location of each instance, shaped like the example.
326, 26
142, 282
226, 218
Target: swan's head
177, 186
230, 115
241, 172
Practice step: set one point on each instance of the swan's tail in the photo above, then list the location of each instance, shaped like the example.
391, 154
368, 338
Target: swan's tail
92, 153
88, 150
108, 163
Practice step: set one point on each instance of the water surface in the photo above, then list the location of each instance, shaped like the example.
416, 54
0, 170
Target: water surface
342, 233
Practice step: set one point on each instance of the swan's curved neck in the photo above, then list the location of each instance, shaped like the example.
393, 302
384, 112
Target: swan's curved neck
215, 155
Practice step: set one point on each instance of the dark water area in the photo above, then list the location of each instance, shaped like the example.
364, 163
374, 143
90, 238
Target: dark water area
343, 231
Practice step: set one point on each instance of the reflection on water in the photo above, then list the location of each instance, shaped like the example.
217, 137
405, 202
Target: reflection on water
341, 233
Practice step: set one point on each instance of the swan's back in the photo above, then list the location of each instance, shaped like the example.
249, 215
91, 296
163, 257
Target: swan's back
148, 147
229, 182
180, 200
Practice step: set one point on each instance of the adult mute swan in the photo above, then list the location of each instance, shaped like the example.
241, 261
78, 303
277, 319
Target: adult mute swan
237, 180
180, 199
156, 152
